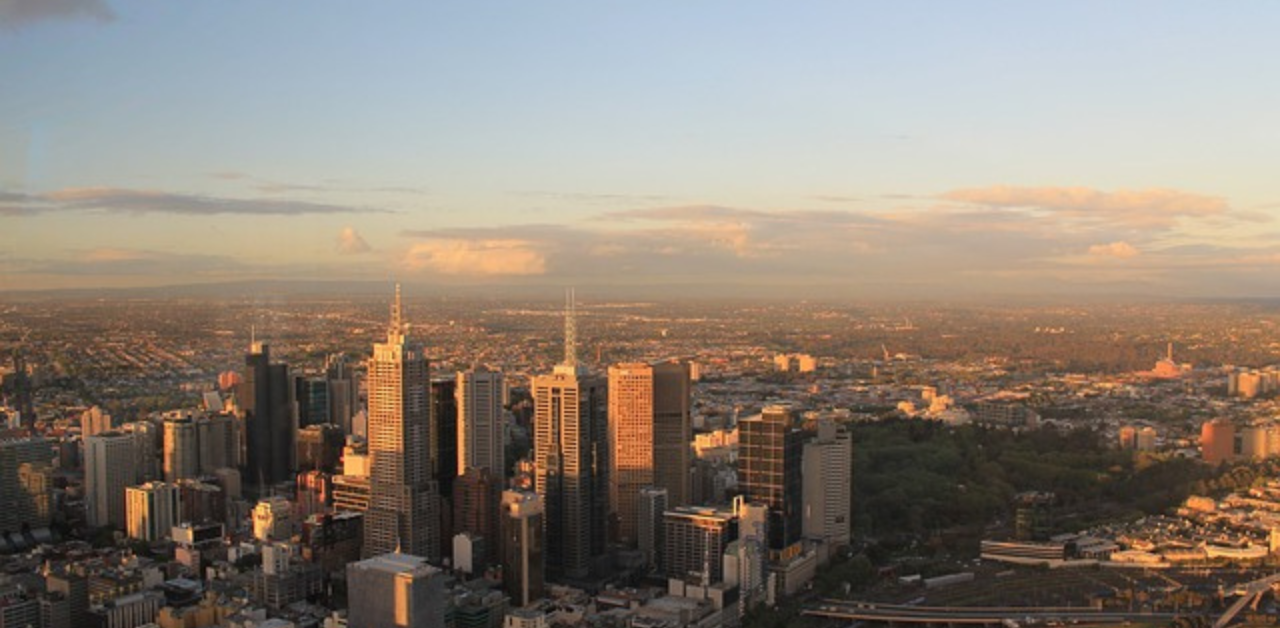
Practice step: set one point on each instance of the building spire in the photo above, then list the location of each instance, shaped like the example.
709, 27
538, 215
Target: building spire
570, 331
397, 315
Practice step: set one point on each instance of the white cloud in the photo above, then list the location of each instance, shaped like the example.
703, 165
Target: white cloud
476, 257
1118, 250
1131, 208
351, 243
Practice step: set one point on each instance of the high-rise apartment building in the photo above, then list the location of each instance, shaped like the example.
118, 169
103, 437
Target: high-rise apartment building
480, 420
570, 448
828, 485
152, 509
523, 546
270, 419
649, 438
404, 503
94, 421
649, 528
695, 542
770, 452
109, 466
396, 591
181, 449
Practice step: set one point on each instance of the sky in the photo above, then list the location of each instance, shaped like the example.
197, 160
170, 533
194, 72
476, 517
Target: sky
854, 149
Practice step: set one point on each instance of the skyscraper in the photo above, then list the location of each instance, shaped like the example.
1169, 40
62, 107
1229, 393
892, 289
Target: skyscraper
109, 466
26, 502
523, 546
181, 450
828, 484
770, 451
571, 461
343, 388
649, 528
152, 510
270, 419
312, 395
442, 437
649, 437
404, 504
480, 420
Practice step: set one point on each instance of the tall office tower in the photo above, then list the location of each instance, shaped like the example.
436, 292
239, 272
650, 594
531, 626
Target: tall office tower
320, 447
94, 421
218, 442
404, 504
442, 438
570, 449
344, 391
649, 436
770, 452
828, 485
270, 419
109, 467
25, 465
695, 542
475, 507
181, 450
653, 504
523, 546
149, 442
395, 591
480, 420
151, 510
312, 395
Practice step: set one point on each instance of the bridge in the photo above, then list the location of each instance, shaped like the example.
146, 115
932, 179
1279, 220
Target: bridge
1249, 595
980, 615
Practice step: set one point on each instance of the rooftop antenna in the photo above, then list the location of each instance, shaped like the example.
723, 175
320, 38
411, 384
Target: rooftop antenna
570, 331
396, 312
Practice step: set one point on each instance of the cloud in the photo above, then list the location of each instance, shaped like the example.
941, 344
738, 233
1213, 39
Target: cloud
120, 200
473, 257
1118, 250
351, 243
590, 197
1158, 208
15, 13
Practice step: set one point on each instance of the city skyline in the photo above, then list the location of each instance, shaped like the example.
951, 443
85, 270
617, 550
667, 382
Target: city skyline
856, 150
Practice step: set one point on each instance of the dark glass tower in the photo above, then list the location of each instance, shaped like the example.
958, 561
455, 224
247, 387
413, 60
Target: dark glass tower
443, 442
571, 460
270, 419
770, 455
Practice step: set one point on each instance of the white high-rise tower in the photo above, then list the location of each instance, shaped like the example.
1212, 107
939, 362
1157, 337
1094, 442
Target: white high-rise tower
404, 503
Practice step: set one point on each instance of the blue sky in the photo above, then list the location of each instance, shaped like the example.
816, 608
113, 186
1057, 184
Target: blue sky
866, 148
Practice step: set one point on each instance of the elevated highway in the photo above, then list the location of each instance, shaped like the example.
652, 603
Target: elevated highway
990, 615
